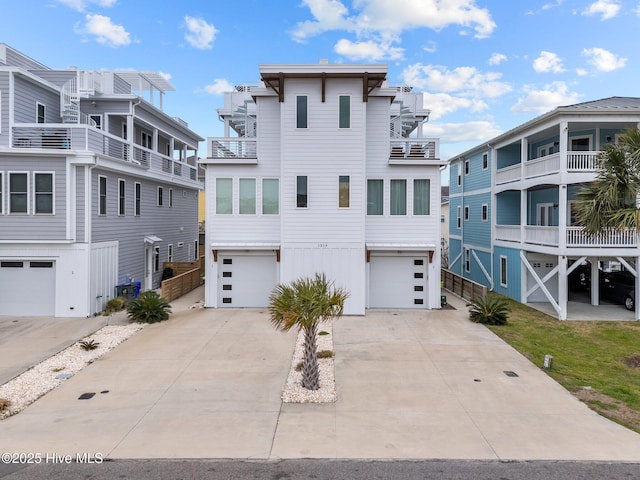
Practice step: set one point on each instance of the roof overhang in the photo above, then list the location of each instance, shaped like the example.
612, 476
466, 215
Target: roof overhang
402, 247
151, 239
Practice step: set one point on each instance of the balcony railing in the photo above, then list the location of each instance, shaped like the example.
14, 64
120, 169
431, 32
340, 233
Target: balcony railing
576, 237
415, 149
232, 148
85, 138
574, 162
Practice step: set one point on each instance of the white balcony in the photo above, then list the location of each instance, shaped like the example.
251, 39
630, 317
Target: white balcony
626, 238
414, 151
575, 237
232, 150
87, 138
575, 162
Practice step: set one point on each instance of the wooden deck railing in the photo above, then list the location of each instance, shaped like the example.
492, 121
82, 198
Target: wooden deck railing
188, 276
462, 287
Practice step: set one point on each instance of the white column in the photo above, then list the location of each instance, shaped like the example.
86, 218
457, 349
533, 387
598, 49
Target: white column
563, 298
595, 281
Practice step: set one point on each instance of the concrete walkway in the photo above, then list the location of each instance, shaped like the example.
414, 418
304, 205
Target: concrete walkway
418, 385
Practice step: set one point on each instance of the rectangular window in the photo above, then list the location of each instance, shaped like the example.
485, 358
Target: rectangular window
466, 213
421, 196
503, 271
195, 250
398, 201
301, 192
344, 194
146, 140
375, 197
102, 195
170, 253
122, 190
485, 161
345, 111
301, 111
545, 214
485, 212
160, 194
1, 202
467, 260
466, 167
156, 259
270, 196
247, 196
459, 217
171, 197
459, 175
43, 193
41, 113
224, 196
138, 195
18, 193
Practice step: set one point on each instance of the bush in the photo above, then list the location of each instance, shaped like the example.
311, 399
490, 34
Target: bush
4, 404
149, 307
491, 310
325, 354
87, 345
115, 304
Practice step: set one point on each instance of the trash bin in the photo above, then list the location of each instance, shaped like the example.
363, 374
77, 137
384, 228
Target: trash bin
126, 290
138, 287
443, 300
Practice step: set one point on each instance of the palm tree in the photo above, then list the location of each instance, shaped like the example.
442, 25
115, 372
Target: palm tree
304, 304
611, 200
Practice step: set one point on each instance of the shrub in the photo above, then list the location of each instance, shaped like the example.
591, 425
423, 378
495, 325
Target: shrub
115, 304
325, 354
149, 307
87, 345
491, 310
4, 404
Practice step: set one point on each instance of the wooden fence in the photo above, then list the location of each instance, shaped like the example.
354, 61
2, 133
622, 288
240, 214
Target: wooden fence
187, 276
462, 287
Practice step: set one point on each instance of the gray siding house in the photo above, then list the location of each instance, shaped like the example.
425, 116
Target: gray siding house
98, 186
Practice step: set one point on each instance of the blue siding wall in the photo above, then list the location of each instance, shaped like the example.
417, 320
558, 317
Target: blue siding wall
475, 230
477, 178
454, 203
476, 274
508, 208
514, 266
455, 247
453, 177
509, 155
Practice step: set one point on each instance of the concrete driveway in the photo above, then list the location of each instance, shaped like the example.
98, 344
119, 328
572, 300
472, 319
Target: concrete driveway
207, 384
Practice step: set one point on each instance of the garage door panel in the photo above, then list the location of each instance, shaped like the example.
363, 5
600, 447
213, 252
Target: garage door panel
246, 280
397, 282
27, 288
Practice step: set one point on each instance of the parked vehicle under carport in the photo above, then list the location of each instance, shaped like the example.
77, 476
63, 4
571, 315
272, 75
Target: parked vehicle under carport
618, 287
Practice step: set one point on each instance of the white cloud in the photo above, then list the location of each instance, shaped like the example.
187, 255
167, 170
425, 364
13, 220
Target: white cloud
441, 104
497, 59
467, 81
81, 5
477, 131
581, 71
370, 50
603, 60
105, 31
200, 33
430, 47
386, 17
218, 87
548, 62
545, 99
605, 8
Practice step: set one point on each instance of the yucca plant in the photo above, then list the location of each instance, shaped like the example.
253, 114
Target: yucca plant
490, 310
87, 345
149, 307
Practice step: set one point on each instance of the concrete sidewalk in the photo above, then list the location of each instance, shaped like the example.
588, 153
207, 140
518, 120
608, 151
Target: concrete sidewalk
410, 384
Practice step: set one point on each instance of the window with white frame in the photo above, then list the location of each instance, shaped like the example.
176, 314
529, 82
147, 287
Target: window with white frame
467, 260
270, 196
171, 197
301, 191
398, 200
43, 188
421, 196
247, 188
459, 217
160, 195
41, 113
466, 212
503, 270
1, 199
170, 253
224, 196
196, 247
485, 161
301, 111
459, 175
137, 199
344, 195
547, 149
545, 214
467, 167
580, 144
156, 259
146, 140
18, 192
375, 197
102, 195
485, 212
345, 111
122, 196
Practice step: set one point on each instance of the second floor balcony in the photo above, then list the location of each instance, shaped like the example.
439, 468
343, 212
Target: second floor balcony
79, 137
572, 237
572, 162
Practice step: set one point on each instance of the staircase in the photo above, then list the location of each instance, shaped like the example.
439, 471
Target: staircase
83, 85
243, 122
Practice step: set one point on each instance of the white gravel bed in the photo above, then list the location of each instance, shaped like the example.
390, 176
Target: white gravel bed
293, 390
47, 375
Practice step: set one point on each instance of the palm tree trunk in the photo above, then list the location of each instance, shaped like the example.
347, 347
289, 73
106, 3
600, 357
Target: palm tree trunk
310, 371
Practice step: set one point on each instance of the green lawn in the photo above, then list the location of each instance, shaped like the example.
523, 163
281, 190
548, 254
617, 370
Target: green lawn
586, 354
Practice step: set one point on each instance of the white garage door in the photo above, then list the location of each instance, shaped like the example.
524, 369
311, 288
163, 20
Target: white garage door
397, 282
246, 280
27, 287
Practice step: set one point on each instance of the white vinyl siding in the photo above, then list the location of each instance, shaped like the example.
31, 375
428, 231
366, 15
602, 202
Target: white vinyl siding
224, 196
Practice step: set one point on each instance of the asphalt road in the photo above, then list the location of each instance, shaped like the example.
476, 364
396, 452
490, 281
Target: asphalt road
320, 470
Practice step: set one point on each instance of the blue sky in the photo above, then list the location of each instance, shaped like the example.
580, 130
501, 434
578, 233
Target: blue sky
485, 66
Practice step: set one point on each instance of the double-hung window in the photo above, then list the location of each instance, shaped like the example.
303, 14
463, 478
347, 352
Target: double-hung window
224, 196
375, 197
345, 111
247, 188
18, 193
398, 201
421, 196
301, 111
43, 183
102, 195
270, 196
